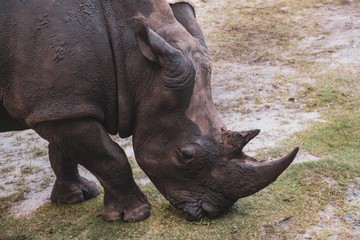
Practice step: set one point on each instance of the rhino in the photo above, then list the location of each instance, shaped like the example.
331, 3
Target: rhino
76, 71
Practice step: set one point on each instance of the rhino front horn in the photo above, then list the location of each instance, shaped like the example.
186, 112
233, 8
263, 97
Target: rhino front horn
252, 175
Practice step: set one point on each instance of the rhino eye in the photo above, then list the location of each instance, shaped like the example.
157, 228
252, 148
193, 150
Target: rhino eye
188, 153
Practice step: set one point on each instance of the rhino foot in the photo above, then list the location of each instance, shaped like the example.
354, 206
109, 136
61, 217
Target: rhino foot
136, 214
66, 192
133, 209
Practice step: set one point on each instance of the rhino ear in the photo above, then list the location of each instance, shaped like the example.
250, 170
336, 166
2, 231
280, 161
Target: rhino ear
184, 13
153, 47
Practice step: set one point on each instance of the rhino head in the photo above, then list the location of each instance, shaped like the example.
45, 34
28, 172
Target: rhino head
179, 140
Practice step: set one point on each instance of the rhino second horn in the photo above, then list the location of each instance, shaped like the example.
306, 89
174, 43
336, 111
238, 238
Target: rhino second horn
238, 140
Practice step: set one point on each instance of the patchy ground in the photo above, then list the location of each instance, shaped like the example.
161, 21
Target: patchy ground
265, 56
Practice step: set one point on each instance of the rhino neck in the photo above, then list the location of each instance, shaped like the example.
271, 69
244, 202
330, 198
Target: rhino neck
118, 16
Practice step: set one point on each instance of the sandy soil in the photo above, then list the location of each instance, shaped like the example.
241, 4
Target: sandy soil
248, 96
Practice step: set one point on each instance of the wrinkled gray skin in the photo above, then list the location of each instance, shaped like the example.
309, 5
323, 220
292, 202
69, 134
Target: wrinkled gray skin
75, 71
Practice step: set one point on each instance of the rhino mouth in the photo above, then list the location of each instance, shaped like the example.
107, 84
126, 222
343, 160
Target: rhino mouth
195, 211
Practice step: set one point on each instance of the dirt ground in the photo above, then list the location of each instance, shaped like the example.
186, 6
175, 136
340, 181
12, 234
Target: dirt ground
248, 94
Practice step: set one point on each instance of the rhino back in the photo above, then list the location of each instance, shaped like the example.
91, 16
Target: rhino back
56, 61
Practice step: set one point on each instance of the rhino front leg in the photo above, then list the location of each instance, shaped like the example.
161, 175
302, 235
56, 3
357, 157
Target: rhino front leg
69, 186
87, 141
